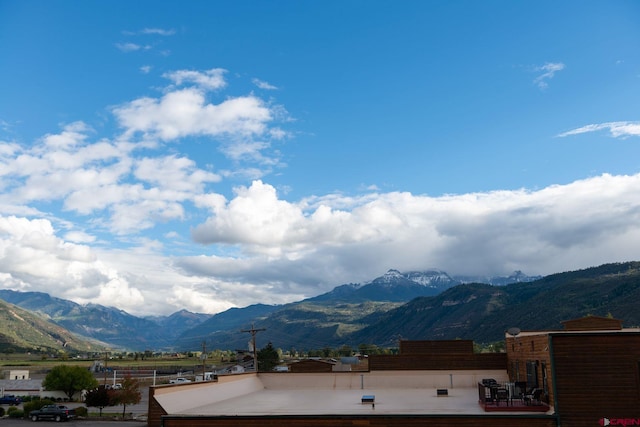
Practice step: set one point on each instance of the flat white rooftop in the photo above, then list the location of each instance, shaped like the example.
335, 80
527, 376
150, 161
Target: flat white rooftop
397, 392
344, 402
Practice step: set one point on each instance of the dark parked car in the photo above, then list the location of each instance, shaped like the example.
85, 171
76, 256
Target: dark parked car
10, 399
52, 412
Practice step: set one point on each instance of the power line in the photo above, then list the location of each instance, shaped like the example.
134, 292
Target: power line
253, 331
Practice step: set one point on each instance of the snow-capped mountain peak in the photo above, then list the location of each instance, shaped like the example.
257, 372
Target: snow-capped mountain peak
390, 276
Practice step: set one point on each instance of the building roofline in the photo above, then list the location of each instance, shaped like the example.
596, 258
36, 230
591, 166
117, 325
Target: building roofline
623, 331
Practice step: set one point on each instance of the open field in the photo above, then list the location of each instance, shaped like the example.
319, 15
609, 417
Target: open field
37, 363
148, 372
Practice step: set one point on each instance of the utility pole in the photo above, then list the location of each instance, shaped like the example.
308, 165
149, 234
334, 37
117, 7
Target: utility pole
204, 359
253, 331
104, 368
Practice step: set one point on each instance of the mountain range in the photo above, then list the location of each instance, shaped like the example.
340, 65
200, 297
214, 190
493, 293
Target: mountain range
25, 331
413, 305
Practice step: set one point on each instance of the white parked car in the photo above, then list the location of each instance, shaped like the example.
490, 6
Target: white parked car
179, 380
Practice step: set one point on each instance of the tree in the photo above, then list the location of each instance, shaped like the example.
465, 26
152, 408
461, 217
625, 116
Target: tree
268, 358
345, 351
369, 349
69, 379
129, 394
98, 398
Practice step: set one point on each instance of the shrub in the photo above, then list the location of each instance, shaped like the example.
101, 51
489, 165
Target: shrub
81, 411
36, 404
1, 411
14, 412
29, 406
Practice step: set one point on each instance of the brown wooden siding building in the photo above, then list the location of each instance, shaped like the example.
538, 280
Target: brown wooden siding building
311, 366
437, 355
448, 347
589, 372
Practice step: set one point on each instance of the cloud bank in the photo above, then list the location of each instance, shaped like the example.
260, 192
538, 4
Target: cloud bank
284, 251
129, 220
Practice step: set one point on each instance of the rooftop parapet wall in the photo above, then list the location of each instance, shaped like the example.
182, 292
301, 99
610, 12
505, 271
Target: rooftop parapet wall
349, 421
431, 362
177, 398
592, 323
311, 366
408, 347
381, 379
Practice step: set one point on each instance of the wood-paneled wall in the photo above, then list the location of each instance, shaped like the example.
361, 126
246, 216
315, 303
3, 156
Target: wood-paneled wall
596, 376
374, 421
310, 366
530, 348
488, 361
155, 410
409, 347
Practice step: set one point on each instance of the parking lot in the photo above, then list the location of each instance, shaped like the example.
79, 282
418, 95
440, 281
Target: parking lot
137, 412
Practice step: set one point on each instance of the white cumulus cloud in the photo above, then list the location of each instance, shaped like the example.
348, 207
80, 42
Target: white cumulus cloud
186, 112
209, 80
552, 229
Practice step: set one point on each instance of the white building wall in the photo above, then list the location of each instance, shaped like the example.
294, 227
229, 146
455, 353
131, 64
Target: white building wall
178, 398
381, 379
18, 374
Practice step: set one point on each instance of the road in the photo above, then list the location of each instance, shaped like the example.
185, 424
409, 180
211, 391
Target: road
12, 422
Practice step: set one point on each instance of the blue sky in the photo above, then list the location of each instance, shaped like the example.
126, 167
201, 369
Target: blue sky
156, 156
